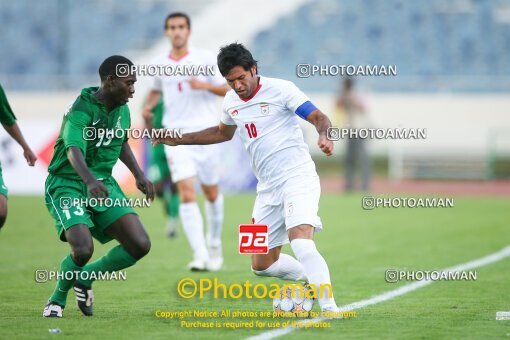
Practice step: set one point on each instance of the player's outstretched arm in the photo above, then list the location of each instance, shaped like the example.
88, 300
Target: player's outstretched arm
219, 90
322, 124
142, 183
15, 133
94, 187
212, 135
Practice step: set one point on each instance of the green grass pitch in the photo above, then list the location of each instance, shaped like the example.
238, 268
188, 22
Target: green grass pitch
358, 245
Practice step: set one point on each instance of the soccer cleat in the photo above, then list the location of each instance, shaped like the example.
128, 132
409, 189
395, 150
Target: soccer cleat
171, 228
215, 259
53, 310
84, 298
197, 265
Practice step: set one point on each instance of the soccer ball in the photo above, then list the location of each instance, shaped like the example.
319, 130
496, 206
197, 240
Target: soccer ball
293, 299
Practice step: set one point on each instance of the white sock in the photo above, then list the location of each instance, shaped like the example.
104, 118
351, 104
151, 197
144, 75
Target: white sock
315, 268
286, 268
214, 216
193, 226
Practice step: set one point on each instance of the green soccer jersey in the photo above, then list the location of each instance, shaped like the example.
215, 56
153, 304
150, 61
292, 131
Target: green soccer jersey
6, 115
97, 133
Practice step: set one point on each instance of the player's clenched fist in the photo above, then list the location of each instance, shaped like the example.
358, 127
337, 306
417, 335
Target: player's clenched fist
326, 145
145, 186
96, 189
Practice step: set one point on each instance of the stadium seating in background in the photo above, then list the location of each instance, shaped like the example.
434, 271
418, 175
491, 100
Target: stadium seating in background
44, 41
437, 45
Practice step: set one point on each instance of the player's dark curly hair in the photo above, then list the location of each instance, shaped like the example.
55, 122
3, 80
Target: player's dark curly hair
109, 66
234, 55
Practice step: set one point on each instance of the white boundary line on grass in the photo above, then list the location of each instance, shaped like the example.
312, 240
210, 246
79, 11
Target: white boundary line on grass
483, 261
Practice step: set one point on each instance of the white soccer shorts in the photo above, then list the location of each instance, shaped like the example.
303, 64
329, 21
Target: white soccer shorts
188, 161
290, 204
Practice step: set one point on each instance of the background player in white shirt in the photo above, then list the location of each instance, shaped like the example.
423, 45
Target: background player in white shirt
190, 105
266, 111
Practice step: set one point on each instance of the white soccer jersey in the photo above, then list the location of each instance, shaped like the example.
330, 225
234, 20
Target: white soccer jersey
186, 108
269, 128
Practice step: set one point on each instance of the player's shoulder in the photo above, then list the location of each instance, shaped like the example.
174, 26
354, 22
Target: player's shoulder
230, 96
83, 104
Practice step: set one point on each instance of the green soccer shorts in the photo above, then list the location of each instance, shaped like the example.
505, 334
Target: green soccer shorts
3, 188
67, 201
158, 166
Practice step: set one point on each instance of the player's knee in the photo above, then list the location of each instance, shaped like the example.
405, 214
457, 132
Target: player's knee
259, 271
142, 248
82, 254
3, 211
188, 196
259, 267
211, 195
3, 218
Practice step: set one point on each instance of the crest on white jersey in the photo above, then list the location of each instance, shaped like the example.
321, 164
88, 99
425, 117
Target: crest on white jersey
264, 108
234, 113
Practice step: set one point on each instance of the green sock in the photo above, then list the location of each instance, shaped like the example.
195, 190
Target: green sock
60, 293
116, 259
171, 203
174, 206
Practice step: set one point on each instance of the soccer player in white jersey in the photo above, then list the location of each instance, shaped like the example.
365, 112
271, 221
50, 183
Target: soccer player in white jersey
267, 112
190, 104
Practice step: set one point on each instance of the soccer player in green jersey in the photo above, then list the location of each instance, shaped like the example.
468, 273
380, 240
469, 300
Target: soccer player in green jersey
159, 172
81, 169
8, 121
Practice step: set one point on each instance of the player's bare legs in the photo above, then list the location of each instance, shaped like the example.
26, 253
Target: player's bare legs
187, 190
214, 217
134, 244
167, 191
276, 264
3, 210
311, 266
192, 223
260, 262
130, 233
82, 247
80, 240
314, 265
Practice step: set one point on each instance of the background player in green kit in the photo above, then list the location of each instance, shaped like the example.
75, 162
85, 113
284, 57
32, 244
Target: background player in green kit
81, 168
8, 120
159, 172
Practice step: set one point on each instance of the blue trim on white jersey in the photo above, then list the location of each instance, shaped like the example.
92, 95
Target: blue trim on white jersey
305, 109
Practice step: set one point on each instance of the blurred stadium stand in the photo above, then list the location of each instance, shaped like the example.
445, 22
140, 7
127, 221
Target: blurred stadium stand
437, 45
58, 44
459, 45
